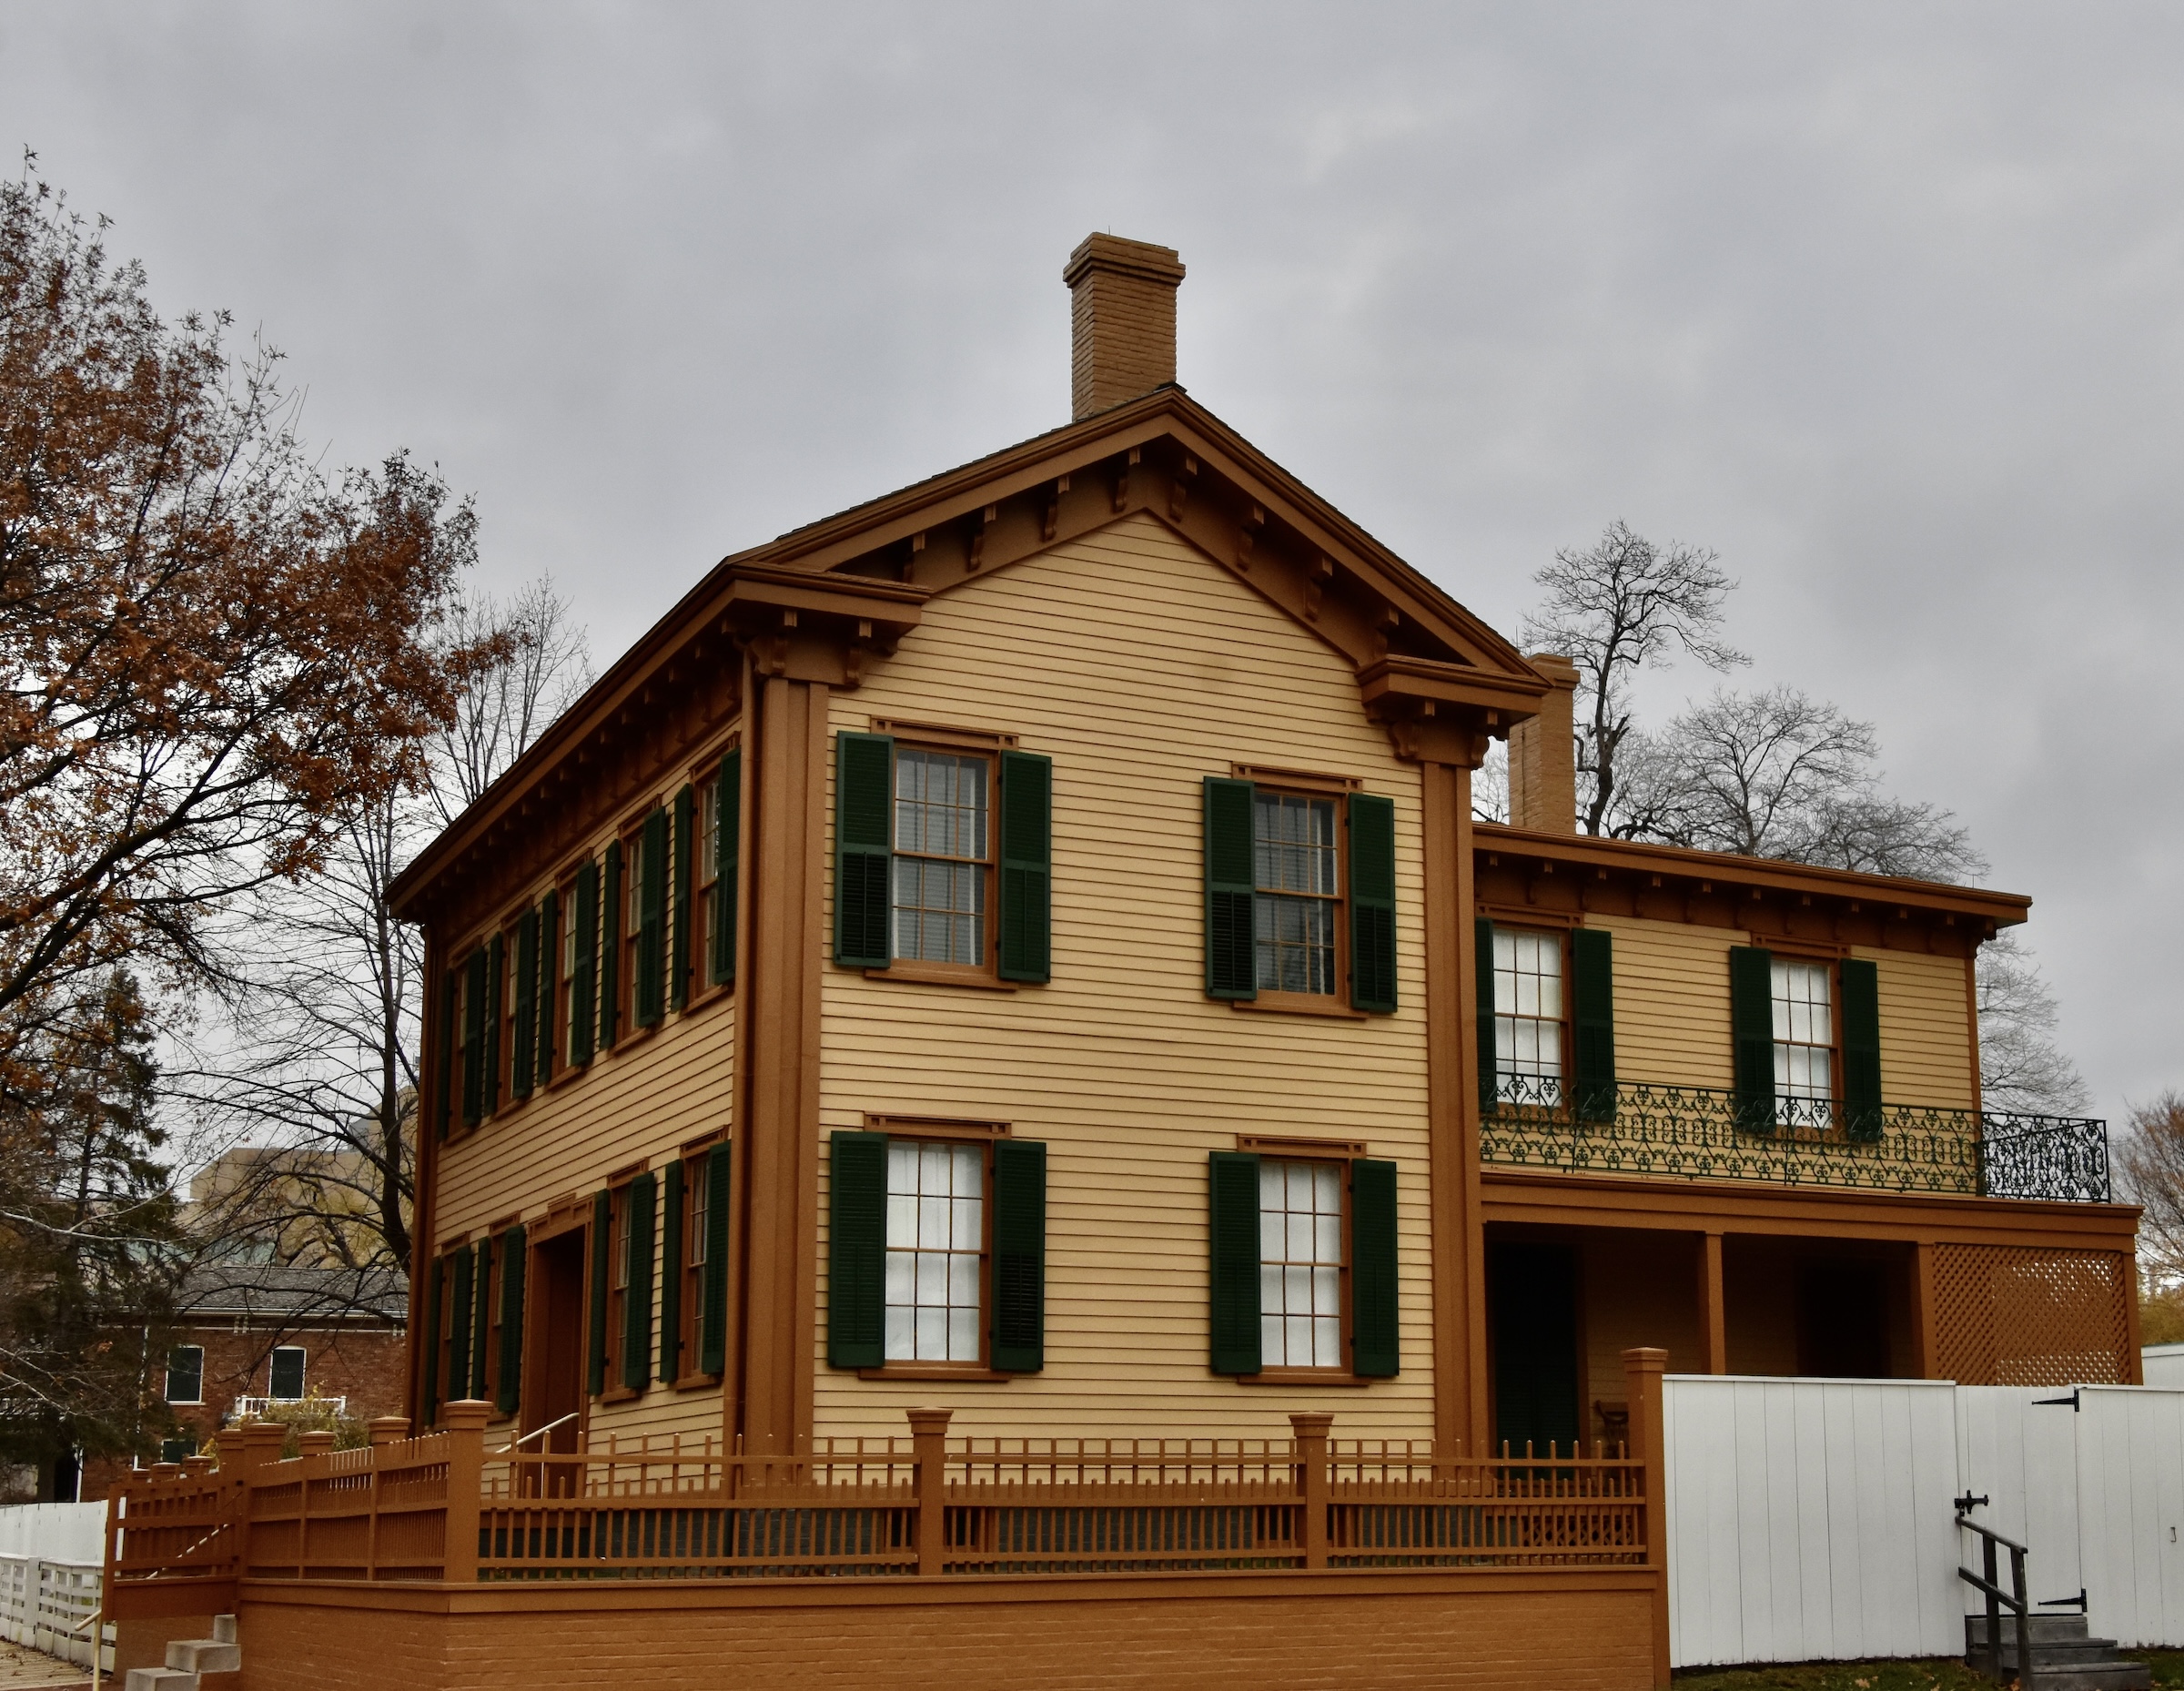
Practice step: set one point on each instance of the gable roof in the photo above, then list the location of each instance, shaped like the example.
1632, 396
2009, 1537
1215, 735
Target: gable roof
1421, 657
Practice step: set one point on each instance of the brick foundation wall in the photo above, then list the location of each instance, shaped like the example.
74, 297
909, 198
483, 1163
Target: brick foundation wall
1573, 1629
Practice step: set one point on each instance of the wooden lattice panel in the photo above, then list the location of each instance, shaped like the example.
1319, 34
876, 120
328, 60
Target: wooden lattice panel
2009, 1315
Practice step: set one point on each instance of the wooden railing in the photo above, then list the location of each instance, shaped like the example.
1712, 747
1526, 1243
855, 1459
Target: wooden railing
442, 1507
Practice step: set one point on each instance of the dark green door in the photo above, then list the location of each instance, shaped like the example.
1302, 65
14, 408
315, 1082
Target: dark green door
1532, 1291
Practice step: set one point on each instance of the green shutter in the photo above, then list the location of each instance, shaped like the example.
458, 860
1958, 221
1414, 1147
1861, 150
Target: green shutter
1027, 867
1020, 1335
549, 975
648, 998
678, 950
482, 1323
856, 1261
637, 1300
428, 1410
1232, 1230
523, 1059
513, 1254
583, 991
1592, 1023
1490, 1078
610, 897
1231, 947
671, 1274
1371, 903
463, 1306
496, 994
864, 778
602, 1228
444, 1106
727, 859
1861, 1048
713, 1329
1375, 1338
1752, 1033
473, 1038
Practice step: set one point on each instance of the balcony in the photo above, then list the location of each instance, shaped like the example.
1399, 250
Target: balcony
1700, 1133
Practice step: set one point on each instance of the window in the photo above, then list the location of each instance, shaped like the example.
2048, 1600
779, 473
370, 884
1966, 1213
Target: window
1300, 1263
186, 1374
1528, 1001
1297, 910
504, 1078
705, 867
618, 1281
1804, 1041
286, 1382
178, 1450
632, 933
935, 1252
941, 858
697, 1214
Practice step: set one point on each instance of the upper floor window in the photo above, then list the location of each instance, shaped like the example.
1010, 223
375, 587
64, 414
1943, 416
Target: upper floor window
941, 856
705, 875
1805, 1030
186, 1374
1298, 907
567, 1022
1528, 1001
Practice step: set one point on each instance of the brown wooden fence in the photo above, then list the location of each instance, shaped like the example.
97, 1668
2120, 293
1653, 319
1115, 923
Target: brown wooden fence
444, 1507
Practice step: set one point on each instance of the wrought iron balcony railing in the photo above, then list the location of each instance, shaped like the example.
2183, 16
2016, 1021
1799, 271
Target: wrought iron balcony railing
1699, 1133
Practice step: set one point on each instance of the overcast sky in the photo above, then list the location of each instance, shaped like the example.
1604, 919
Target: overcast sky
1881, 302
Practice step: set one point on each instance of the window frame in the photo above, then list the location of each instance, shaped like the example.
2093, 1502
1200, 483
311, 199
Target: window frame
970, 1135
505, 1097
1340, 1158
1792, 1110
166, 1385
987, 971
1565, 1022
690, 1314
632, 836
272, 1364
704, 882
1336, 999
618, 1284
565, 961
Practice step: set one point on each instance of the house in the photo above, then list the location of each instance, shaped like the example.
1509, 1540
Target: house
1014, 962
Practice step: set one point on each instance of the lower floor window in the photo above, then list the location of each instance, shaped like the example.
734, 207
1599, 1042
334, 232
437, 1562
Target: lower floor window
936, 1250
1301, 1264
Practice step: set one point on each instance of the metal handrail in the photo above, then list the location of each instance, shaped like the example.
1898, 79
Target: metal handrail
1997, 1598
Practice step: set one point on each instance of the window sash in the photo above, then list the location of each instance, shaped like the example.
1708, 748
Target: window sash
1804, 1038
189, 1373
1531, 1007
938, 1213
941, 822
1297, 907
1303, 1257
274, 1368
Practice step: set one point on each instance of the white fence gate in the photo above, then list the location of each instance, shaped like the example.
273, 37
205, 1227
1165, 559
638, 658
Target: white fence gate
1812, 1520
51, 1559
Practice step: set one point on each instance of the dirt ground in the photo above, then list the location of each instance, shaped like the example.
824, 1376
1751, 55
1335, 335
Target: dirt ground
21, 1669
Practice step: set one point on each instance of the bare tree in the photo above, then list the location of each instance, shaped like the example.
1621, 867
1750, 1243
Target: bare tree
1612, 610
2021, 1067
316, 1068
1777, 774
2151, 1160
545, 665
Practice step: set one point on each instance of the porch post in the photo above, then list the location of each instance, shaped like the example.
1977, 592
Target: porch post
466, 1483
929, 1441
1308, 1429
1714, 1326
1642, 1371
1923, 1347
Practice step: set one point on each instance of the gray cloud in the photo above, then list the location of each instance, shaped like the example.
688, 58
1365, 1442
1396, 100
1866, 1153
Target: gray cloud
1880, 301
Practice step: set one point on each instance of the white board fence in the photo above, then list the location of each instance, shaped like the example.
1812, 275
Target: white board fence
1814, 1520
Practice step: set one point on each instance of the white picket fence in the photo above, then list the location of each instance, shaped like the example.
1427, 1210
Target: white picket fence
1814, 1520
52, 1558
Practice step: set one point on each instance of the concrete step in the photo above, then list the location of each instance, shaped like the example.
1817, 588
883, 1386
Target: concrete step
2093, 1676
205, 1656
223, 1628
159, 1679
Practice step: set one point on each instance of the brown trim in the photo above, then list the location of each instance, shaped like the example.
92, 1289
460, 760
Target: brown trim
933, 1372
1971, 1021
1462, 1403
564, 1217
692, 1382
1303, 780
1301, 1377
933, 1127
628, 1173
704, 1141
1275, 1145
1300, 1003
707, 762
1529, 915
945, 734
925, 974
1804, 950
1925, 1335
1714, 1325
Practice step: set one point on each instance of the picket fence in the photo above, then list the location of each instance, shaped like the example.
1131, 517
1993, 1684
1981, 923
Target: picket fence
1814, 1520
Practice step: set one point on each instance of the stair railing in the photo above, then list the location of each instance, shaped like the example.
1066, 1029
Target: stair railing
1991, 1543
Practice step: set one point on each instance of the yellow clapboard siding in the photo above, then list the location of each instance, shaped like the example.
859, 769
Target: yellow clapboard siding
1926, 1030
1141, 666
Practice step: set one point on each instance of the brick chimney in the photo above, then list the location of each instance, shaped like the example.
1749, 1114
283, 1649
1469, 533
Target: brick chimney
1122, 315
1543, 756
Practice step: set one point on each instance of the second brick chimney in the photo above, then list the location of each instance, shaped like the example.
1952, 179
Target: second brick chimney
1122, 315
1542, 756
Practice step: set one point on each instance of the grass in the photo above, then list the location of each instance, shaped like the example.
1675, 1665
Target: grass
1943, 1674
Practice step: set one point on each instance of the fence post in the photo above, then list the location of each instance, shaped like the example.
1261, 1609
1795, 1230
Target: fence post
465, 1420
929, 1443
387, 1429
1642, 1370
1307, 1430
257, 1443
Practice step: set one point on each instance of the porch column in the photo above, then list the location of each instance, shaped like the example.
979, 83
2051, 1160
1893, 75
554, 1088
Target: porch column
1713, 1326
1923, 1346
